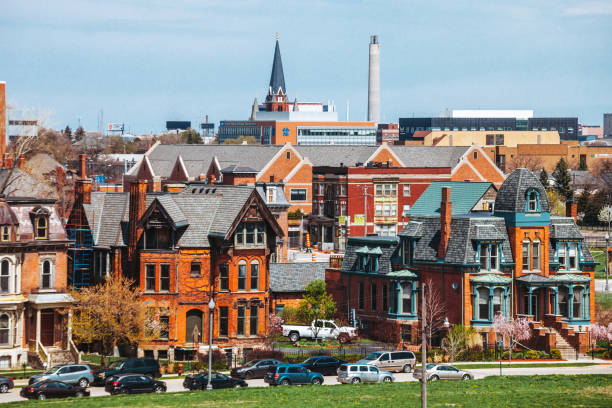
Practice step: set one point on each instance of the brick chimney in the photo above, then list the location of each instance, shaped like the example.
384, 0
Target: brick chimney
83, 190
446, 207
138, 199
571, 209
8, 160
21, 162
82, 166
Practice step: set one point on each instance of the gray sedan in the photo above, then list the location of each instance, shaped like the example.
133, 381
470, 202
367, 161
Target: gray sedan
357, 373
437, 372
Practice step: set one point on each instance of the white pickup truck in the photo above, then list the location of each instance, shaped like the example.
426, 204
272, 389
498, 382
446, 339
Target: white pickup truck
323, 329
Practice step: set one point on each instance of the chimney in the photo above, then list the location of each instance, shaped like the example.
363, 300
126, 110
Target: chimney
374, 81
212, 178
21, 161
8, 161
60, 187
445, 221
83, 166
138, 199
571, 210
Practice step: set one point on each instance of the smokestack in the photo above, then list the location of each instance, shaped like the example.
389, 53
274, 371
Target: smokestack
446, 208
374, 81
2, 118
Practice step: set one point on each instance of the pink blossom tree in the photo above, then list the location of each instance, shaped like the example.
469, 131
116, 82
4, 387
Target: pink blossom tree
517, 330
601, 332
276, 325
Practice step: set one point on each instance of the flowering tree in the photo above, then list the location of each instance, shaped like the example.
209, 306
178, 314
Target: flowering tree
605, 214
517, 330
276, 325
601, 332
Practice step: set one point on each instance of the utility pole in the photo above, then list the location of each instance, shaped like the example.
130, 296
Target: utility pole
365, 210
423, 350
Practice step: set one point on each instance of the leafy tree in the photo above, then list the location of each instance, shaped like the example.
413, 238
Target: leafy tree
458, 339
516, 330
557, 203
317, 304
563, 180
79, 134
605, 214
544, 178
111, 313
190, 136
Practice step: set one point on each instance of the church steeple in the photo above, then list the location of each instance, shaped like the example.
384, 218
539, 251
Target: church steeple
277, 77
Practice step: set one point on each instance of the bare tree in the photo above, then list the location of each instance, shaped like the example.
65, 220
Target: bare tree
434, 311
530, 162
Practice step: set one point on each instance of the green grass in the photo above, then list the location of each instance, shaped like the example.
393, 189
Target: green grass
599, 255
604, 301
511, 391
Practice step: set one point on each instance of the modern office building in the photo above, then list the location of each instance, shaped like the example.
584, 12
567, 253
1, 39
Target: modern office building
607, 125
566, 126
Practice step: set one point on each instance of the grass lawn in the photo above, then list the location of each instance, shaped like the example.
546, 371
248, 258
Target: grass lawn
512, 391
600, 256
605, 302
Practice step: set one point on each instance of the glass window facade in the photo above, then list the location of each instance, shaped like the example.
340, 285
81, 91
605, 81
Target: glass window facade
336, 135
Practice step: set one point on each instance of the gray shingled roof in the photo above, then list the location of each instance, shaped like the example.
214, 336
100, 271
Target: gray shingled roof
564, 228
295, 276
387, 245
429, 156
173, 210
413, 229
512, 193
334, 155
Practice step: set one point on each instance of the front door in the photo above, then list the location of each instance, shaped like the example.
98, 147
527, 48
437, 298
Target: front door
47, 322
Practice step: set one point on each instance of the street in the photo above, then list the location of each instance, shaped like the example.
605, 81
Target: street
176, 385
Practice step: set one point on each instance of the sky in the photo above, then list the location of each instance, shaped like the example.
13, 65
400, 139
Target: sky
142, 62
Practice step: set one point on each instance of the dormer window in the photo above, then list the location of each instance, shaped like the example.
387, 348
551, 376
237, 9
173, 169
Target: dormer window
567, 254
489, 257
250, 234
5, 233
408, 252
42, 227
532, 201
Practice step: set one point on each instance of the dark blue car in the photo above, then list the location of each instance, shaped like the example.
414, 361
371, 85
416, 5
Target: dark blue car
288, 374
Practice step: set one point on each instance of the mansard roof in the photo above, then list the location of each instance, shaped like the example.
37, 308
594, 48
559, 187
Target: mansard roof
512, 194
384, 247
564, 228
295, 276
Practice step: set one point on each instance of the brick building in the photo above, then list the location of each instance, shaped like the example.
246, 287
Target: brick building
288, 282
517, 261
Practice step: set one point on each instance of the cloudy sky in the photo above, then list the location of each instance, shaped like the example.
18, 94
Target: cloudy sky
143, 62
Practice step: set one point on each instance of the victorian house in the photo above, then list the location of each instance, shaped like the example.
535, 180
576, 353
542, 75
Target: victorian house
34, 306
517, 261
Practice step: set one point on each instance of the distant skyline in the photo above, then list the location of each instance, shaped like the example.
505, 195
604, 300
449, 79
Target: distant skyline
147, 61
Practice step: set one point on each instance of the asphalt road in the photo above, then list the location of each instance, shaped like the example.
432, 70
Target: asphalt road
176, 385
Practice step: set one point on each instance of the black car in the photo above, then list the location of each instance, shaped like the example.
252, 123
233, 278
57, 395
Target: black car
6, 383
255, 368
146, 366
200, 381
325, 365
52, 389
133, 384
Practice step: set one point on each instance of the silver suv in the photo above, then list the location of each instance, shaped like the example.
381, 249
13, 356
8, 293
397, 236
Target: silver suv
391, 360
80, 374
357, 373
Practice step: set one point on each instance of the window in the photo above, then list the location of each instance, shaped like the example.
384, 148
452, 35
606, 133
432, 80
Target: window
379, 210
255, 275
406, 298
577, 304
343, 208
406, 209
393, 210
360, 296
562, 259
6, 233
5, 276
41, 227
164, 326
4, 329
373, 304
298, 194
490, 140
342, 189
379, 190
499, 139
407, 252
271, 195
242, 275
164, 277
240, 321
532, 197
535, 256
288, 155
250, 233
196, 269
573, 264
563, 300
475, 155
526, 256
483, 257
385, 298
223, 320
46, 276
483, 304
386, 230
150, 278
223, 277
406, 190
386, 210
498, 295
254, 320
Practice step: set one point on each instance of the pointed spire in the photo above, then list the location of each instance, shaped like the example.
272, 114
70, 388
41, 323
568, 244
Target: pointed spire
254, 110
277, 78
296, 106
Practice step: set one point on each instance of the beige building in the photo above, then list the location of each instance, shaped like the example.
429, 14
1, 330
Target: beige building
508, 138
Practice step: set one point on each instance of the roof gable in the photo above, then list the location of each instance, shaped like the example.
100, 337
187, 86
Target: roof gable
464, 196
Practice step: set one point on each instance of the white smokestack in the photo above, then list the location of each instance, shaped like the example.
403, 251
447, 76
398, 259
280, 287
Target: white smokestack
374, 81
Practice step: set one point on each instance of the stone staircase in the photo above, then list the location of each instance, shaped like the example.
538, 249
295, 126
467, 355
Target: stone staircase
566, 349
57, 356
553, 333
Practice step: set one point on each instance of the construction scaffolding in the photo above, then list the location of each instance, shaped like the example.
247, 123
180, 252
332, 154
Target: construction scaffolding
80, 251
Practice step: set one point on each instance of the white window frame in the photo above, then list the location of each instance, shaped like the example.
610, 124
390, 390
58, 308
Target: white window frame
538, 245
406, 190
42, 261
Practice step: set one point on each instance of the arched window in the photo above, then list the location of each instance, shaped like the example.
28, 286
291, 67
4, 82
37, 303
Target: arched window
483, 304
5, 329
46, 275
193, 326
577, 303
255, 275
5, 267
242, 266
563, 298
41, 227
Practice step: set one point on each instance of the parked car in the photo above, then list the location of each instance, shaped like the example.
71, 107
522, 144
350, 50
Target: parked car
6, 383
391, 360
80, 374
321, 329
255, 368
357, 373
437, 372
288, 374
133, 384
200, 381
52, 389
325, 365
146, 366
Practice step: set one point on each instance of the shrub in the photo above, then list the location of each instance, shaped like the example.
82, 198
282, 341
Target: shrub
506, 355
291, 316
264, 353
555, 354
472, 354
605, 354
531, 355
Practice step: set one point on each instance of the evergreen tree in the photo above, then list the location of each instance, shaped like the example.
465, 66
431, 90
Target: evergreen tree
563, 180
79, 134
544, 178
68, 132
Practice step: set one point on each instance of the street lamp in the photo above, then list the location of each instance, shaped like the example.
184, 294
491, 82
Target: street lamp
211, 307
607, 260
